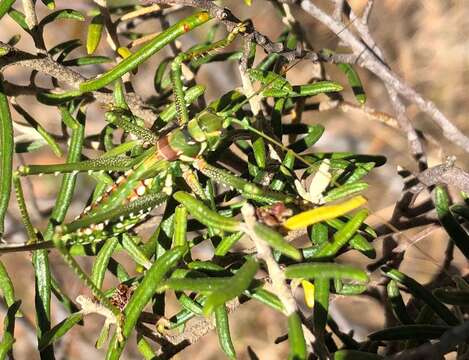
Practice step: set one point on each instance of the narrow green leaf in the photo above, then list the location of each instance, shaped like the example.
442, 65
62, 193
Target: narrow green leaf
397, 303
277, 241
138, 57
419, 292
141, 296
355, 355
459, 236
409, 332
6, 345
204, 214
354, 81
6, 287
87, 60
95, 30
342, 236
240, 282
5, 5
59, 330
314, 134
49, 3
6, 159
453, 297
325, 271
296, 338
223, 331
65, 14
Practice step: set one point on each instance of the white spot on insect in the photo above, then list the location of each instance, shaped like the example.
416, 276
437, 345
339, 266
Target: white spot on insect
100, 227
109, 189
130, 226
142, 216
101, 171
95, 145
88, 231
91, 238
76, 217
74, 172
149, 209
121, 218
141, 212
88, 208
141, 190
90, 172
98, 199
119, 225
128, 173
147, 182
106, 222
131, 215
40, 174
57, 173
120, 179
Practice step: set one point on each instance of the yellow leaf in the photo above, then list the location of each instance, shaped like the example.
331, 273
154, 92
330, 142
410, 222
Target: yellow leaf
322, 213
308, 289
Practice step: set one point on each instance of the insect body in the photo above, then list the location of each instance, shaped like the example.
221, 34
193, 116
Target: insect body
146, 181
145, 178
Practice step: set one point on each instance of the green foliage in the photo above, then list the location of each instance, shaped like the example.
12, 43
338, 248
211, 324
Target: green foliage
178, 158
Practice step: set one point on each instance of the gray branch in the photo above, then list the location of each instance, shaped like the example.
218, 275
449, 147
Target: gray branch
46, 65
368, 59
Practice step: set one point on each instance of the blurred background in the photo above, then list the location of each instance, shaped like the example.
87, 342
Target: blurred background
426, 44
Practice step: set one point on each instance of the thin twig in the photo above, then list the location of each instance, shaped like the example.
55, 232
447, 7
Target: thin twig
368, 59
227, 18
46, 65
416, 146
279, 282
30, 14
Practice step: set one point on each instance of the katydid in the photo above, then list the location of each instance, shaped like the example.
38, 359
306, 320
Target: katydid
147, 178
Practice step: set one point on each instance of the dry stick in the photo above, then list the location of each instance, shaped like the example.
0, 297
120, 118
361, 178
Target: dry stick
224, 16
50, 67
126, 24
171, 344
416, 146
338, 9
227, 18
445, 174
372, 63
30, 14
279, 282
369, 60
140, 12
277, 276
427, 230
